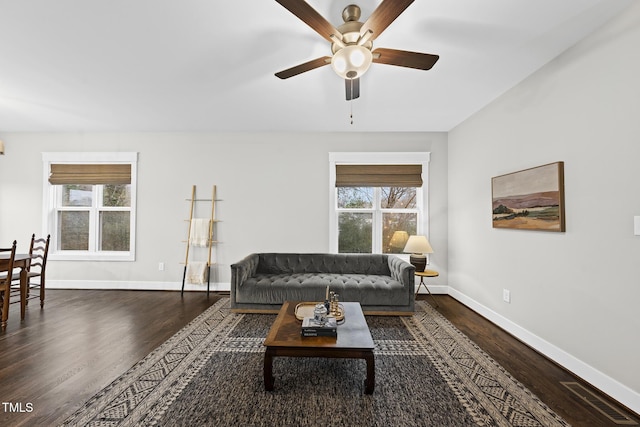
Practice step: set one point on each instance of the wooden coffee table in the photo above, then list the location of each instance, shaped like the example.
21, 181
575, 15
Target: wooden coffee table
353, 342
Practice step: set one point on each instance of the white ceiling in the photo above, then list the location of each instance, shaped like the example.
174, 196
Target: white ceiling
197, 65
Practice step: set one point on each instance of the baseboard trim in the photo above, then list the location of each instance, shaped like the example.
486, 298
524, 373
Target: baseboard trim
135, 286
434, 289
608, 385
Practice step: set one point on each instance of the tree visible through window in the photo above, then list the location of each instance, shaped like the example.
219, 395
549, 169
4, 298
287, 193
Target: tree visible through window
370, 217
81, 206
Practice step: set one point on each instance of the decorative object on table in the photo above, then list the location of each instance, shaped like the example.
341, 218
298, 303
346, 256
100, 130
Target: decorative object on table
418, 246
320, 314
326, 300
333, 303
1, 147
336, 310
306, 309
314, 328
531, 199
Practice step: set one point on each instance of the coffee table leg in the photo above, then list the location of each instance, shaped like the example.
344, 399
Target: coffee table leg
268, 370
370, 382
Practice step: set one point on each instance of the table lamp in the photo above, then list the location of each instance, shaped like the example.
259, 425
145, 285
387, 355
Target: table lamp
418, 246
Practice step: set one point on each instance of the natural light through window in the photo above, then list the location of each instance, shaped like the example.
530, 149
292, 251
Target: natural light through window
376, 218
90, 205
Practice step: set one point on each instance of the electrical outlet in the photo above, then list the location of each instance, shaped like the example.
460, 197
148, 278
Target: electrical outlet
161, 266
506, 295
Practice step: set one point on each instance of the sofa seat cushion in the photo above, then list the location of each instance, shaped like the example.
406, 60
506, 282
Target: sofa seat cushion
275, 288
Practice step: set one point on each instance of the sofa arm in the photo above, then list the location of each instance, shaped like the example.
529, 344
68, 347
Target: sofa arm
244, 269
403, 272
240, 272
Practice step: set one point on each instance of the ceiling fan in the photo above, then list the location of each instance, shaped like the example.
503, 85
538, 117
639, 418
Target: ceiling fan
352, 42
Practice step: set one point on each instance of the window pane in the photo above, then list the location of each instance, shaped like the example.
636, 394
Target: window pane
396, 229
73, 231
355, 197
77, 195
116, 195
114, 231
398, 198
355, 232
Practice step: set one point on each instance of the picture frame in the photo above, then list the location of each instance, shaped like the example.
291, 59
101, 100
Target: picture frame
530, 199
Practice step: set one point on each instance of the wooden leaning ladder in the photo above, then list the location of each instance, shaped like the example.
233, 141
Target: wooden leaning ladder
210, 240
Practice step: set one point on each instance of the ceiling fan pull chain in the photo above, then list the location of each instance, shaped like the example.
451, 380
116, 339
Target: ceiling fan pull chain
351, 104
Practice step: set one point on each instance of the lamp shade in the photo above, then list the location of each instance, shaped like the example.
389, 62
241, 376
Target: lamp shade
418, 245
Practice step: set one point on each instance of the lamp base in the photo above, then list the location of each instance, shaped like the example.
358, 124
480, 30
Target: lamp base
419, 261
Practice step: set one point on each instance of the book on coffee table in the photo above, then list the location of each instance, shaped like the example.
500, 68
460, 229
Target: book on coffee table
313, 328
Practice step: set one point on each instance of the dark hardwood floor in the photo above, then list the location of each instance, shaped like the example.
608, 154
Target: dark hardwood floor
540, 375
59, 357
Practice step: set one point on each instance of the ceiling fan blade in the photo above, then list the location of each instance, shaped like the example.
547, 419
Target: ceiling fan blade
307, 66
352, 88
384, 15
311, 17
403, 58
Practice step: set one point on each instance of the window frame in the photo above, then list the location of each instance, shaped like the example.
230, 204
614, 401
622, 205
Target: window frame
52, 193
386, 158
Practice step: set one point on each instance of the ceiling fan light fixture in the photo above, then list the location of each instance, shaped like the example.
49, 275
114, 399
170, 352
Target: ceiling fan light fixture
352, 61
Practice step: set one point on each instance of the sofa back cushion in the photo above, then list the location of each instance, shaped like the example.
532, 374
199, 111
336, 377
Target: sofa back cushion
285, 263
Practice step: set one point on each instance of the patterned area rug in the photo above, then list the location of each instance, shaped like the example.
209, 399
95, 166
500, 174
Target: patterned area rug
210, 373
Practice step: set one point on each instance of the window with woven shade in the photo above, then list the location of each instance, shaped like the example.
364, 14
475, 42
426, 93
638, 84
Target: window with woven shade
349, 175
378, 200
71, 173
91, 209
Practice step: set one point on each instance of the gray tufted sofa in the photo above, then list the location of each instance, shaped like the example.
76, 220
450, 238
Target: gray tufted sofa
383, 284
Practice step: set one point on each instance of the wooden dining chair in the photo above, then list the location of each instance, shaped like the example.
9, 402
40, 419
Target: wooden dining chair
6, 276
39, 250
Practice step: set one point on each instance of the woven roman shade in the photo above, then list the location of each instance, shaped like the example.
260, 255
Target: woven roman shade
378, 175
90, 174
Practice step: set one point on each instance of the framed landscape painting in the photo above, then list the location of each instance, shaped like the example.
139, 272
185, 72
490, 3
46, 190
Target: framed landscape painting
531, 199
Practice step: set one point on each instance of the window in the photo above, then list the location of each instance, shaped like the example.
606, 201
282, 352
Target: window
90, 205
391, 211
377, 200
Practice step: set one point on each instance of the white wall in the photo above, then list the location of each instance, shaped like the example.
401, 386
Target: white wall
575, 295
273, 188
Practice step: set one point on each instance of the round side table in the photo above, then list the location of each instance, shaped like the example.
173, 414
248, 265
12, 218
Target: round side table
422, 275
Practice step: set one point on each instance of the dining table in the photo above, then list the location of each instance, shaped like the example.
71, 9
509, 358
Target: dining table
21, 261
